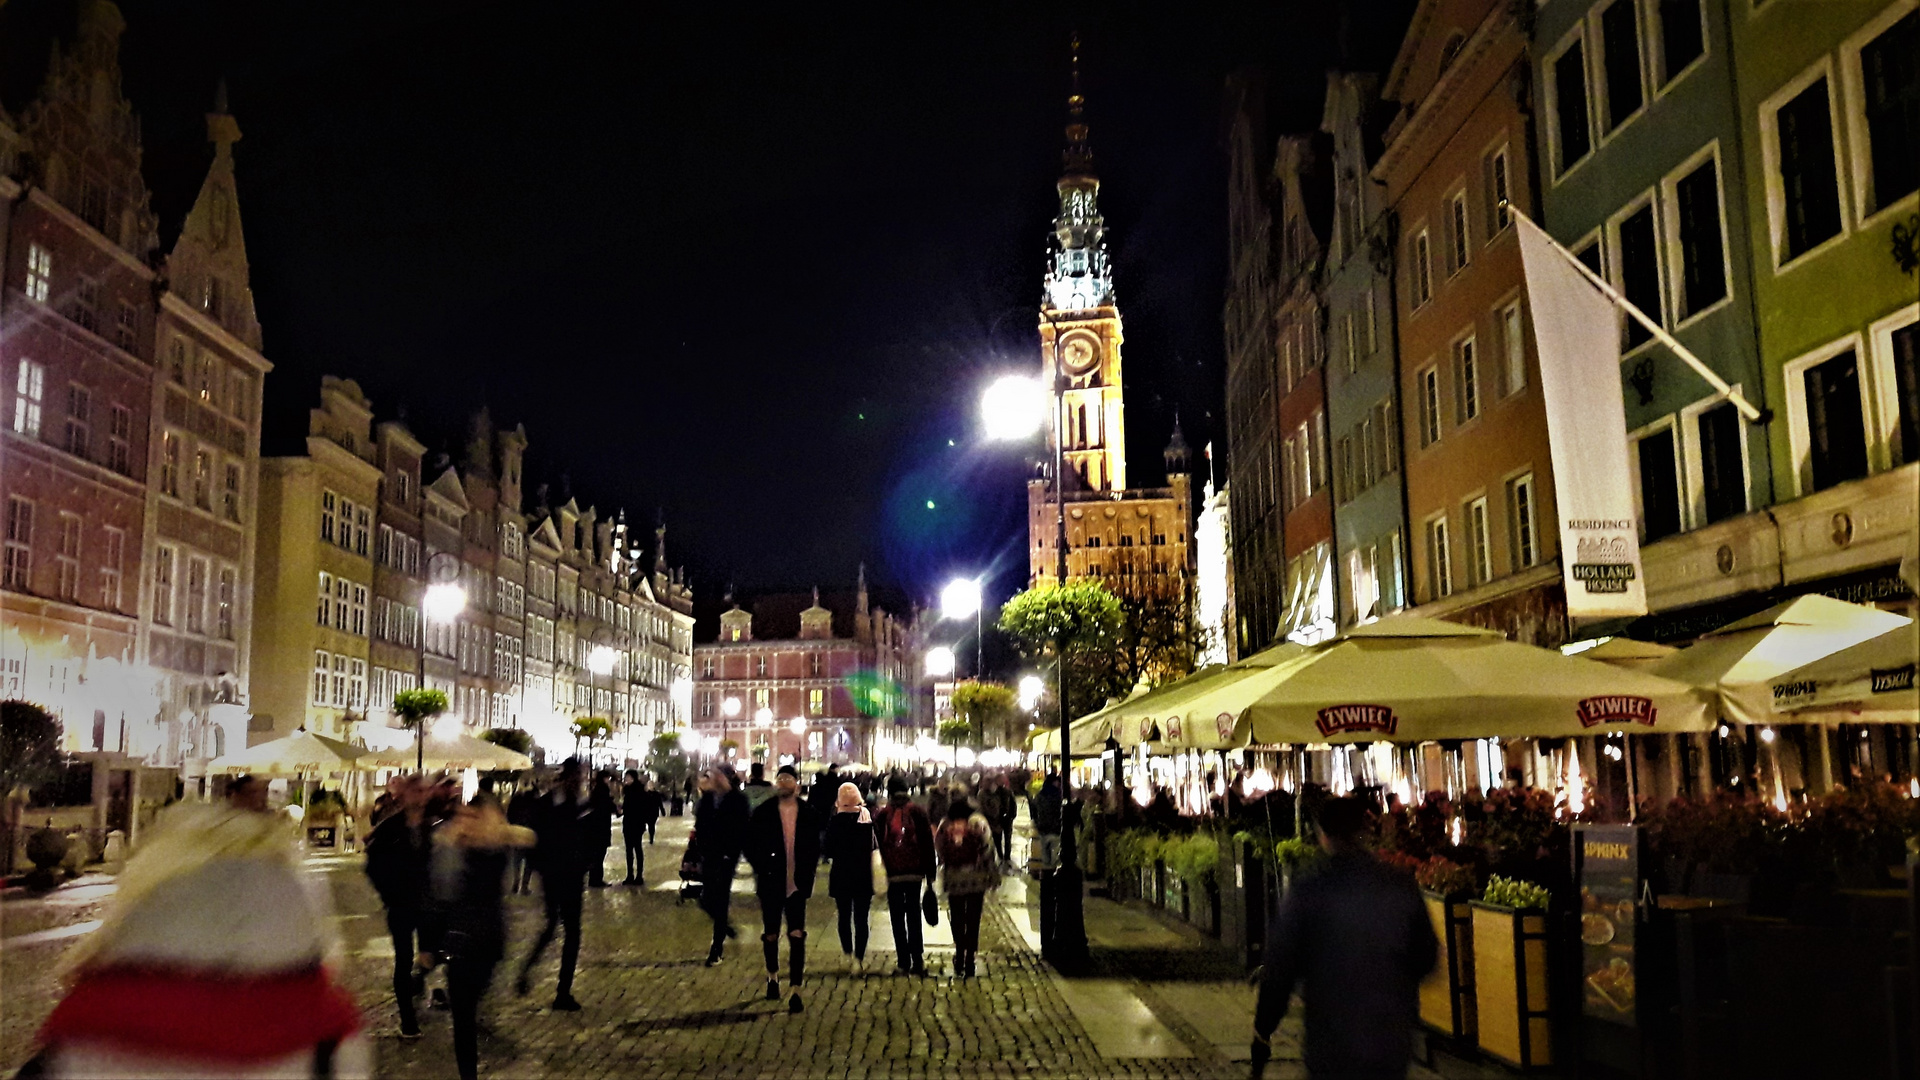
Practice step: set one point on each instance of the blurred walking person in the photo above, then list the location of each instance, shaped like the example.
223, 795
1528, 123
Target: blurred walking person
969, 869
399, 856
905, 835
720, 832
1356, 939
212, 960
1045, 809
600, 811
560, 852
849, 847
783, 844
471, 855
521, 811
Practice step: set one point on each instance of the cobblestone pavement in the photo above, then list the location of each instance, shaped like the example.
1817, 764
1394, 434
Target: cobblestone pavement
653, 1009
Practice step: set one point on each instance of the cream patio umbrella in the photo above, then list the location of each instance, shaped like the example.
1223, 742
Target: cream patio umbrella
1865, 683
1736, 663
302, 754
1160, 717
1088, 735
1627, 653
1411, 679
452, 753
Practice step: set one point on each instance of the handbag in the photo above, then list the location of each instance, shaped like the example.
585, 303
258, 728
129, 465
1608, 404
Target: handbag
879, 873
930, 906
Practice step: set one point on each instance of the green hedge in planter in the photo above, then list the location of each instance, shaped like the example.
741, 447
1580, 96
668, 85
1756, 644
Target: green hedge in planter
1194, 859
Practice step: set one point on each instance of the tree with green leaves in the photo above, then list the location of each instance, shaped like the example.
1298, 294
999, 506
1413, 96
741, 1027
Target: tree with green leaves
1086, 618
29, 747
955, 732
667, 761
988, 709
1159, 639
514, 739
414, 708
590, 730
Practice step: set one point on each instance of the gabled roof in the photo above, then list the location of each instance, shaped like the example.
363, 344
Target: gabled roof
448, 487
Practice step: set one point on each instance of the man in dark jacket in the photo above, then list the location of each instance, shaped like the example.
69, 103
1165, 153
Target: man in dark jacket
639, 809
561, 855
1044, 807
719, 832
905, 835
783, 844
399, 860
1355, 936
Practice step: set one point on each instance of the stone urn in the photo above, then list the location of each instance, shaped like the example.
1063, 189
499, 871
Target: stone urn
47, 850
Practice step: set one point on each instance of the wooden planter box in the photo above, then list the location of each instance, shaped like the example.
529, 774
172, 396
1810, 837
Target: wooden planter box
1510, 984
1447, 995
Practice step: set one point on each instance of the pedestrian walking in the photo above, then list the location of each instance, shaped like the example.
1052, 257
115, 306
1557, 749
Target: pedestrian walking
824, 796
720, 830
1045, 808
968, 869
639, 810
600, 810
522, 809
850, 847
399, 855
1356, 939
1000, 810
561, 853
211, 961
905, 835
470, 858
783, 844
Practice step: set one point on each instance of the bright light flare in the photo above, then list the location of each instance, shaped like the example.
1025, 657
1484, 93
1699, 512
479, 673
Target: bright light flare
730, 707
1032, 688
1013, 407
797, 725
960, 599
939, 661
763, 717
443, 603
600, 660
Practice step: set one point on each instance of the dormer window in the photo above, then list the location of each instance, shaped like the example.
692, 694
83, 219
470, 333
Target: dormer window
1451, 50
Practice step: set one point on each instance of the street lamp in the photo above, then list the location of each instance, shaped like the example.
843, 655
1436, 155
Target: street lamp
940, 661
730, 708
1032, 687
441, 603
600, 661
798, 726
1014, 407
958, 600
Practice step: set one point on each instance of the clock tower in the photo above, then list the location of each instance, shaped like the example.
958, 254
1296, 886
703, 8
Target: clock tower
1079, 324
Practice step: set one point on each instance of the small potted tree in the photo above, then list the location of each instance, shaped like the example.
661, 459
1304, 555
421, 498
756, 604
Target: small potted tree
29, 756
415, 708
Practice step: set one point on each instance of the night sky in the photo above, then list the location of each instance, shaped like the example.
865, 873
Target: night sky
746, 267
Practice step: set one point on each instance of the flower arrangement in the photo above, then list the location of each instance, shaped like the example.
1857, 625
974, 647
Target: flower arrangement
1446, 877
1193, 858
1510, 893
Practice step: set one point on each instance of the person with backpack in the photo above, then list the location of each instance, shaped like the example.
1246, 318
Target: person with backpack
905, 835
969, 868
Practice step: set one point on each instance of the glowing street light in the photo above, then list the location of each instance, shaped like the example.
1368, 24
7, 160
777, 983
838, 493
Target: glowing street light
1013, 407
444, 602
730, 707
960, 598
763, 717
797, 725
939, 661
1032, 688
600, 660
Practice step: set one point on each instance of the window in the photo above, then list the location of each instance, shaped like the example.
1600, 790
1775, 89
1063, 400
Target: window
1682, 37
230, 493
1639, 270
1458, 249
706, 667
86, 303
1592, 256
163, 586
1479, 535
29, 390
1836, 426
1422, 269
197, 595
362, 526
322, 669
1620, 46
340, 685
170, 464
1346, 482
357, 603
760, 666
816, 702
1499, 192
79, 420
203, 479
1513, 341
1903, 344
116, 542
1351, 342
1386, 454
1809, 185
1723, 472
1703, 261
223, 617
18, 570
126, 329
1429, 406
760, 697
1659, 485
1520, 515
39, 273
1890, 93
1466, 379
1572, 140
329, 511
120, 440
67, 562
814, 665
1439, 558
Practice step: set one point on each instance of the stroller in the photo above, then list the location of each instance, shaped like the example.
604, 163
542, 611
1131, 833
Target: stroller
690, 870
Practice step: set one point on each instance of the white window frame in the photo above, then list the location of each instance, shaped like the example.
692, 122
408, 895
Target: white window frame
1459, 229
1511, 315
1500, 152
1683, 489
1770, 163
1525, 533
1597, 90
1693, 501
1668, 223
1655, 35
165, 584
1550, 102
1479, 518
1429, 398
39, 273
1883, 388
1438, 534
1422, 243
1858, 160
1799, 439
1614, 262
29, 397
1467, 395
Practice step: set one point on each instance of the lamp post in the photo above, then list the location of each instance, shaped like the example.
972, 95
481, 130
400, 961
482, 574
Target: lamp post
441, 604
958, 600
1008, 409
600, 661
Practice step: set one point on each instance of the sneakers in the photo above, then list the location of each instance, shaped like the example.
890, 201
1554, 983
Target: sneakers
773, 990
793, 1003
715, 954
418, 983
565, 1003
410, 1031
439, 999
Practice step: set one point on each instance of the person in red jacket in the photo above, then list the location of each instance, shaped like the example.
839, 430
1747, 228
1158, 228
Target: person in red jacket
906, 849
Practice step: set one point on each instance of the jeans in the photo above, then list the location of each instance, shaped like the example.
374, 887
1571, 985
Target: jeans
405, 926
1003, 840
716, 893
636, 856
853, 922
773, 908
965, 913
563, 898
597, 872
467, 982
903, 908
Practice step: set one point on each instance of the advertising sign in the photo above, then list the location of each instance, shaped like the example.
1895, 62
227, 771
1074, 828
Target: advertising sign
1608, 859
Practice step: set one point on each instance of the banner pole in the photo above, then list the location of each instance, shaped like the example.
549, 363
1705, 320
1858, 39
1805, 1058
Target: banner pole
1653, 326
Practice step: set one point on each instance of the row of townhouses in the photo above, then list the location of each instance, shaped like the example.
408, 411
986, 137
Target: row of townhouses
169, 594
1744, 171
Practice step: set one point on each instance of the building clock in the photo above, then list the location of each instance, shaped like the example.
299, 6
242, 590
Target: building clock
1080, 355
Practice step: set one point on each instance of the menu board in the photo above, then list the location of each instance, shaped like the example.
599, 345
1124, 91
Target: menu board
1609, 876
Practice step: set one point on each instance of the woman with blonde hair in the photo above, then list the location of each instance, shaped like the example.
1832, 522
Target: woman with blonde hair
850, 847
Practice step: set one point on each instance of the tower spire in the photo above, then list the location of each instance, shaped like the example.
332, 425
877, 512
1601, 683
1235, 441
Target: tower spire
1078, 156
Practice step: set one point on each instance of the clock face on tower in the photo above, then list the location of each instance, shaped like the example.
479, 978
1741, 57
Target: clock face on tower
1080, 354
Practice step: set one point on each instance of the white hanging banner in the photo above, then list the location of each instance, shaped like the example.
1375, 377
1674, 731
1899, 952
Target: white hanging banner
1578, 336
